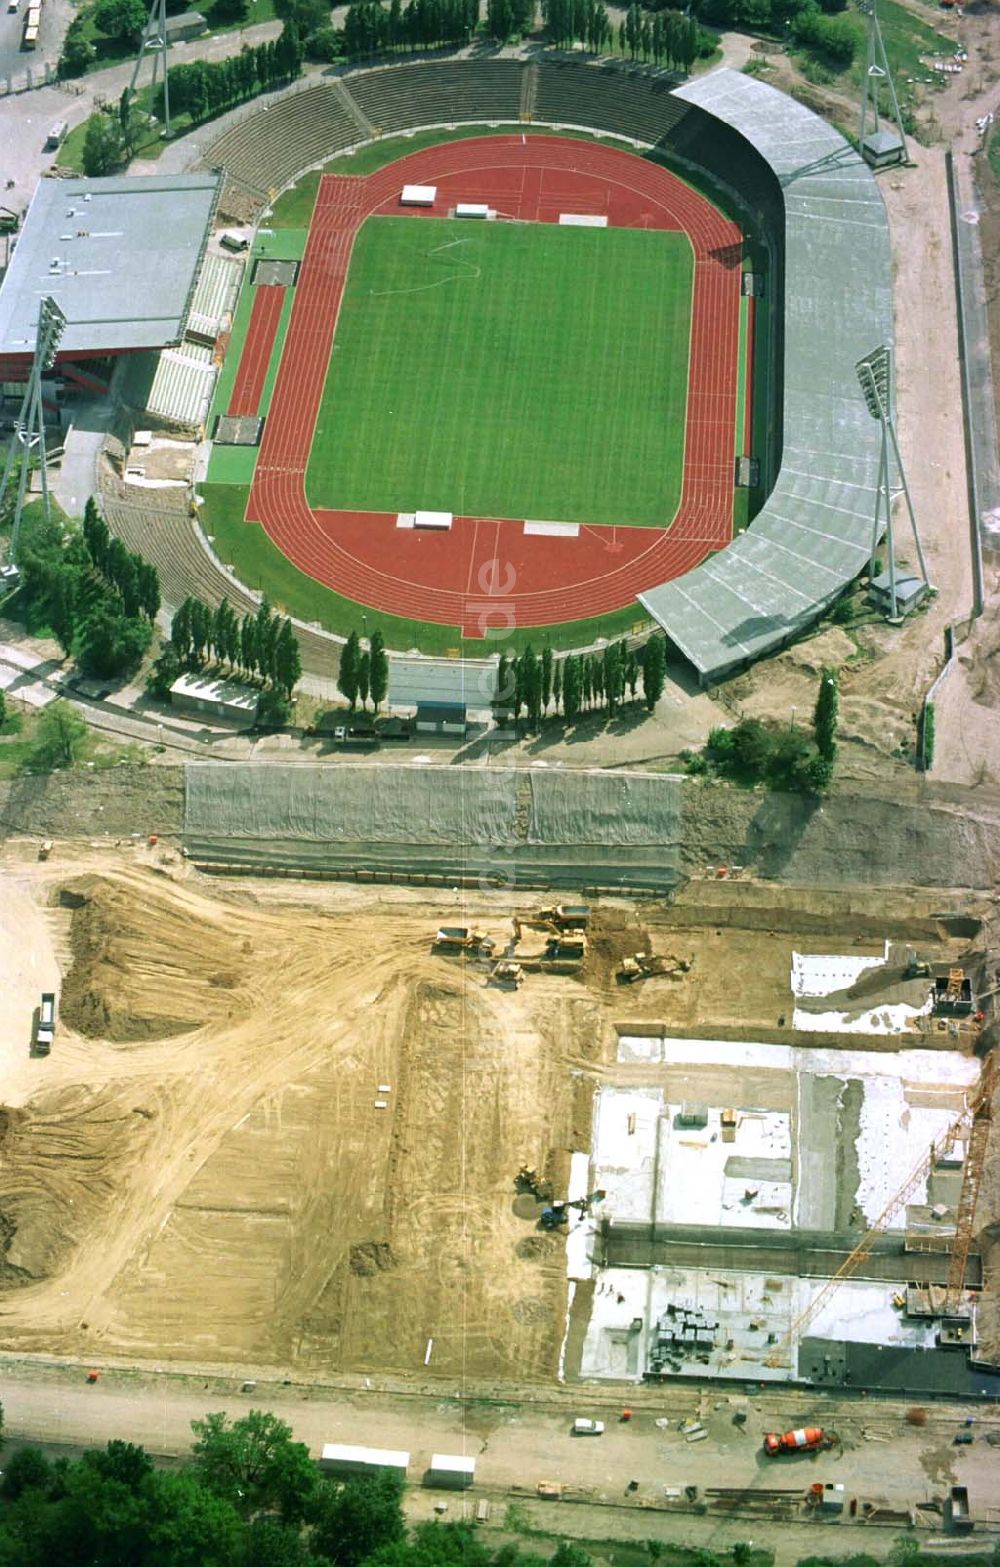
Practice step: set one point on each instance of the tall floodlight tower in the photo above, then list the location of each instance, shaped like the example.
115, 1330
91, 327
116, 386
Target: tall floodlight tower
154, 42
875, 377
29, 430
881, 147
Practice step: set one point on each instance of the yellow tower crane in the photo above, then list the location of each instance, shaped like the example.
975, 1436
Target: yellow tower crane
973, 1124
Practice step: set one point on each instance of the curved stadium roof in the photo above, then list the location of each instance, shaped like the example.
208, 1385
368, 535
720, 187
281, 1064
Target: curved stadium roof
813, 535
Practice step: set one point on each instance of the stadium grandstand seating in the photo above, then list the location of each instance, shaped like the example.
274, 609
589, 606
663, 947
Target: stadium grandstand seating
214, 297
160, 529
612, 98
267, 149
438, 92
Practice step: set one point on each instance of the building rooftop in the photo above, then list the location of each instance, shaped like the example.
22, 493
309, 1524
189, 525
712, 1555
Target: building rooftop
206, 688
813, 534
89, 243
456, 683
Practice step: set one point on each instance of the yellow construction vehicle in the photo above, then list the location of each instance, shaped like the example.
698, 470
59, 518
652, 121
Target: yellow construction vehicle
641, 965
463, 938
508, 974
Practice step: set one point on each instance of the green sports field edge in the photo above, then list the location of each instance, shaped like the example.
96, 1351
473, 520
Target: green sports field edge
521, 370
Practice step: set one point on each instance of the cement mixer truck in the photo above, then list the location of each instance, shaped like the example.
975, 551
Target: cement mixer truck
807, 1439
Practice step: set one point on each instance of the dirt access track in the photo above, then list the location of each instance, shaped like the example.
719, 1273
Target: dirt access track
200, 1172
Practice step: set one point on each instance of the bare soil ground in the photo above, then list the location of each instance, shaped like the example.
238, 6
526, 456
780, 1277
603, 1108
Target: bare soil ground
199, 1172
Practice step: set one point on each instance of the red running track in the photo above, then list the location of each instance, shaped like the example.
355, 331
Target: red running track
486, 574
248, 387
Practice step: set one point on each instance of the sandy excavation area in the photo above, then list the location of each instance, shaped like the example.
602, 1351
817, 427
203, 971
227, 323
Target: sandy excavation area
201, 1170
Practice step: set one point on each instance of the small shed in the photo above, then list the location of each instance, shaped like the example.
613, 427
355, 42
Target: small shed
909, 592
190, 24
215, 697
459, 684
439, 719
343, 1458
883, 149
451, 1472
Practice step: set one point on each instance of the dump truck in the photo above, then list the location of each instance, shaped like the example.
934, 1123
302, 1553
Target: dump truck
46, 1023
462, 938
566, 916
806, 1439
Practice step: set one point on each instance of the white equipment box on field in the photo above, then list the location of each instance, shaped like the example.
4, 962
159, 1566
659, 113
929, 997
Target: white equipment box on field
418, 196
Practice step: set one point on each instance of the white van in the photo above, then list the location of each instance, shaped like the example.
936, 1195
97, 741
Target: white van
230, 241
56, 136
588, 1427
12, 7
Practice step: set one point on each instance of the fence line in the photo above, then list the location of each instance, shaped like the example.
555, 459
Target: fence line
43, 75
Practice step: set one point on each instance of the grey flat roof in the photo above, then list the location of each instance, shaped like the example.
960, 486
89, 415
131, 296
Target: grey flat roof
120, 257
457, 683
813, 535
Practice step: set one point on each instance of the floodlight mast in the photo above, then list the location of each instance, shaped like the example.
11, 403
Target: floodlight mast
876, 72
874, 374
154, 40
29, 428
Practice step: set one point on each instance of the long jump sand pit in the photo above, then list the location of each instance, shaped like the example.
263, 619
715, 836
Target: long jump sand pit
277, 1130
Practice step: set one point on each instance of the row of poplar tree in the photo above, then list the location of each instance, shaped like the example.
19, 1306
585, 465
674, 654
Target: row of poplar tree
364, 672
263, 645
580, 682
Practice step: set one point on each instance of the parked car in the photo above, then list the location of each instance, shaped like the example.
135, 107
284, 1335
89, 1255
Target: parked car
588, 1427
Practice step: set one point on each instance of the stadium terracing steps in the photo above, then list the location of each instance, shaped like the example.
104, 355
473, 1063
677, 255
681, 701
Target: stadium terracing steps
278, 497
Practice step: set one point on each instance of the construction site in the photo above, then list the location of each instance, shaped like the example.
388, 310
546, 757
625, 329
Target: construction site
742, 1134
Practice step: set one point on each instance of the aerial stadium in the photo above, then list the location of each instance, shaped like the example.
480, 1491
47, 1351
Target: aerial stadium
553, 371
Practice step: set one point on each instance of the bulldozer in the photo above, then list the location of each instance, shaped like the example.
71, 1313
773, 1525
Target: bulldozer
508, 974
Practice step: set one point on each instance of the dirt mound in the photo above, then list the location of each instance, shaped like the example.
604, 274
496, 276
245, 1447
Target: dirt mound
146, 973
370, 1257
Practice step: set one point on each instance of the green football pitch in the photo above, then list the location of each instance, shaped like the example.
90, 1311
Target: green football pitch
508, 370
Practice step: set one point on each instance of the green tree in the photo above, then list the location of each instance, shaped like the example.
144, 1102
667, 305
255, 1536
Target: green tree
123, 19
546, 677
254, 1464
274, 710
270, 1543
572, 688
108, 643
354, 1520
96, 535
26, 1470
180, 629
742, 1553
364, 677
614, 675
287, 660
379, 670
77, 51
347, 675
60, 733
166, 669
825, 715
557, 682
188, 1524
654, 670
123, 1462
505, 684
531, 684
103, 147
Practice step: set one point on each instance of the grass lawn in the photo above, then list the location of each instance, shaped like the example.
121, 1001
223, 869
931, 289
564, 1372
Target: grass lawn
261, 565
508, 370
